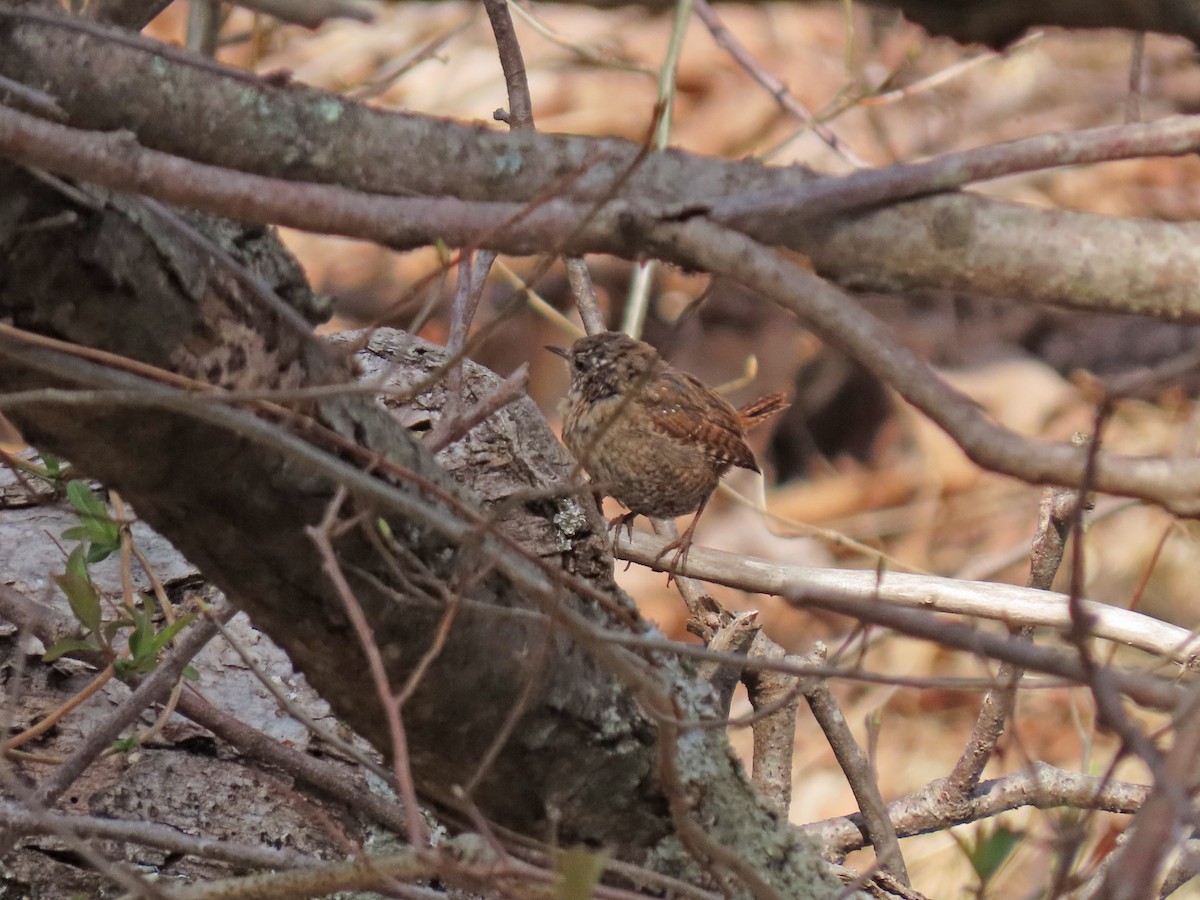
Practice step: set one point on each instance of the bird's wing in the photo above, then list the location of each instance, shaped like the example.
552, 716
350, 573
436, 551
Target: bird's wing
688, 410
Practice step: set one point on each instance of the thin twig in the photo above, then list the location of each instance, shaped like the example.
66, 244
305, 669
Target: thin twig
321, 536
449, 429
584, 292
1056, 514
520, 106
293, 709
726, 40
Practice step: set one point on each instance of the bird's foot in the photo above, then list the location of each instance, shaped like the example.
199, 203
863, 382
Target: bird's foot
625, 520
681, 545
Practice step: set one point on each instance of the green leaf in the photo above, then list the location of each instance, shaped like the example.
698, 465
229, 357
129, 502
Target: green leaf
82, 596
142, 632
111, 628
992, 850
76, 564
580, 870
98, 552
160, 640
53, 465
68, 645
124, 745
93, 515
87, 504
190, 673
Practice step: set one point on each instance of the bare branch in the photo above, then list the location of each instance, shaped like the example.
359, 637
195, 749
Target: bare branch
1000, 602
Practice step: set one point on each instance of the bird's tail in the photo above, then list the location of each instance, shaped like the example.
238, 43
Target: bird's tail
758, 411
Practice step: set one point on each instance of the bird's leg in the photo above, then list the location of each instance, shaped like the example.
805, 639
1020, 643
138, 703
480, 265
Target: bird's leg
681, 544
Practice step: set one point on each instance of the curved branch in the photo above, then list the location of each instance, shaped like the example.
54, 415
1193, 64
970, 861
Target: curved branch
109, 80
1041, 785
1010, 604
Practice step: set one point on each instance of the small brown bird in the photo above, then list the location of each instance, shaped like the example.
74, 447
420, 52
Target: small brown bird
651, 436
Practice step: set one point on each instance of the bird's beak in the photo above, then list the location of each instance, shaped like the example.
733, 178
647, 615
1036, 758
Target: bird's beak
559, 351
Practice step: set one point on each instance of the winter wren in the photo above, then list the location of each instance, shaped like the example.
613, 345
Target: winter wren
651, 436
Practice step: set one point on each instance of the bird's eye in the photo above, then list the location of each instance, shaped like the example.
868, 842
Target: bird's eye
578, 363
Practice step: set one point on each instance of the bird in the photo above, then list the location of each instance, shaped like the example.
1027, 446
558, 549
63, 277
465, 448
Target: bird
651, 436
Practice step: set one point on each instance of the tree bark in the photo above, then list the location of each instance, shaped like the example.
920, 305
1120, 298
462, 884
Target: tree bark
583, 762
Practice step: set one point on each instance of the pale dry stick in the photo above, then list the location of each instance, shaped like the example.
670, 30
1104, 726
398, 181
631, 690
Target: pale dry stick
538, 303
638, 301
453, 427
860, 599
292, 709
1000, 602
320, 535
779, 92
583, 51
943, 76
387, 75
825, 535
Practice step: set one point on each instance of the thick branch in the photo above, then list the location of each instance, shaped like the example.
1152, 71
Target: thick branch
960, 242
